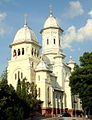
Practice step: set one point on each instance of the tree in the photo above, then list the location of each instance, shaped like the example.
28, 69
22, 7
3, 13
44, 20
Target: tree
81, 80
18, 88
17, 104
28, 93
10, 104
4, 75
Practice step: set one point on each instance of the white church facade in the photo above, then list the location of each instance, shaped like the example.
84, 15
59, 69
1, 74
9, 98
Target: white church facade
47, 70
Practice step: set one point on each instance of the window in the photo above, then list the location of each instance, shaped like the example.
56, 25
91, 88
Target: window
18, 52
14, 53
59, 41
15, 76
48, 93
47, 41
39, 92
32, 51
21, 75
35, 52
22, 51
32, 64
18, 75
54, 41
39, 77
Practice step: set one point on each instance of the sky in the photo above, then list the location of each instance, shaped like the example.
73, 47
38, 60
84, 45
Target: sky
74, 17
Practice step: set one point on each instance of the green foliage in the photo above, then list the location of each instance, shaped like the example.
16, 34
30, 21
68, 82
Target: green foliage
86, 59
81, 80
19, 88
10, 104
4, 75
17, 105
28, 92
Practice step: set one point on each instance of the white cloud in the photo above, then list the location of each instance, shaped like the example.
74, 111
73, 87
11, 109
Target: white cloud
73, 34
74, 9
90, 13
4, 28
2, 16
2, 2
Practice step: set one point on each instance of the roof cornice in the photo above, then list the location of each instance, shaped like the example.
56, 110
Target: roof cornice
27, 42
52, 28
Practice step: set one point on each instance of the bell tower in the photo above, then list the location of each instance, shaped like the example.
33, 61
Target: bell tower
24, 56
51, 35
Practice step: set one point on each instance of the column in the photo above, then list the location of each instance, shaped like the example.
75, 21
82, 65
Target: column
60, 106
56, 102
52, 105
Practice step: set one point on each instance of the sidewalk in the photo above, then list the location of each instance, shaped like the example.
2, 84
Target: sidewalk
66, 118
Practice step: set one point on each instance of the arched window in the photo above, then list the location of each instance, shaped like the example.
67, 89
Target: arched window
15, 76
22, 51
14, 53
59, 41
47, 41
48, 93
39, 77
54, 41
32, 64
32, 51
18, 52
39, 92
18, 75
35, 52
21, 75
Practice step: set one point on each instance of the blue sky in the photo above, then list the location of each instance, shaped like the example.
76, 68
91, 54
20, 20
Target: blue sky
74, 17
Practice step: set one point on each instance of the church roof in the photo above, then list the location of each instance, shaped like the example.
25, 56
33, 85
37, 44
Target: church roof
71, 61
25, 34
42, 66
51, 22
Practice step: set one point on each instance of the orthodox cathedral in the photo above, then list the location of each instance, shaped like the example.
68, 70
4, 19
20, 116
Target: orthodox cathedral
47, 70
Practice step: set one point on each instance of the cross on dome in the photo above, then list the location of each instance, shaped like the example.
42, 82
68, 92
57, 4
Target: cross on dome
51, 12
25, 19
71, 58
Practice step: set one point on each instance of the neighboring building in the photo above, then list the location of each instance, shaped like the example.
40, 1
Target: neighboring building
48, 70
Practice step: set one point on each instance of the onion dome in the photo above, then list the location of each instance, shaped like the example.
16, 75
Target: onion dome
51, 22
25, 34
71, 61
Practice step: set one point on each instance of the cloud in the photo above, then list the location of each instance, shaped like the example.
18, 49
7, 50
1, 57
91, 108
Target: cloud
2, 16
74, 9
3, 2
90, 13
4, 28
79, 35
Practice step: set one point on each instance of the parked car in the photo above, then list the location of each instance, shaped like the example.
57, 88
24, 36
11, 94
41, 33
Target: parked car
66, 114
59, 115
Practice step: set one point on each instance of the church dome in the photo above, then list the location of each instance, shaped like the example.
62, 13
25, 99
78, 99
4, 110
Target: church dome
51, 22
25, 34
